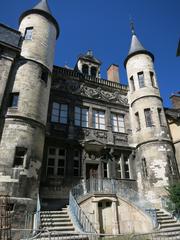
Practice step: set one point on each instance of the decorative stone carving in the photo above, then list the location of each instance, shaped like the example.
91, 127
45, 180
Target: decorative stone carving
100, 134
82, 89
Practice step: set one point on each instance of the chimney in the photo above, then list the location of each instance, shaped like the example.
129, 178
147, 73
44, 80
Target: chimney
113, 73
175, 99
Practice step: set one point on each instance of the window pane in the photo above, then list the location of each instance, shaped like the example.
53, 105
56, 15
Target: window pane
56, 105
54, 119
51, 162
50, 171
141, 79
61, 152
28, 33
148, 118
60, 172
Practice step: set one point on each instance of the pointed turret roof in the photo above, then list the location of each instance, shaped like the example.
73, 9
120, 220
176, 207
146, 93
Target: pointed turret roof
43, 5
42, 8
136, 47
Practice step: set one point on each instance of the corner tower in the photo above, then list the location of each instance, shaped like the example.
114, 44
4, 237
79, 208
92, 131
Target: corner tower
21, 148
155, 162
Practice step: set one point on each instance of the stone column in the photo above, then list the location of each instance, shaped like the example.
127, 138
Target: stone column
90, 118
115, 224
96, 216
122, 166
130, 159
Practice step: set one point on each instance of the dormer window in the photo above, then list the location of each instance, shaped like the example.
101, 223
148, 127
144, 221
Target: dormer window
93, 71
85, 69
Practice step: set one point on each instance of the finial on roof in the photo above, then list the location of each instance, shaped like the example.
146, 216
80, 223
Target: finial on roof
132, 27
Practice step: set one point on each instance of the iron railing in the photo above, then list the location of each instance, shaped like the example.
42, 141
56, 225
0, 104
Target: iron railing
37, 215
47, 235
80, 220
113, 186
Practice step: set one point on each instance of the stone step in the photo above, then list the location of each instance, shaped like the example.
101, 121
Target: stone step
60, 224
174, 225
54, 212
54, 216
66, 229
164, 218
55, 219
167, 221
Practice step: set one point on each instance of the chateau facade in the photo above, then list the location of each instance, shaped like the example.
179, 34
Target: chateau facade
60, 127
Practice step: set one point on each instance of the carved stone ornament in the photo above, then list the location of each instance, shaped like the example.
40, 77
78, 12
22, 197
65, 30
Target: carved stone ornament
75, 87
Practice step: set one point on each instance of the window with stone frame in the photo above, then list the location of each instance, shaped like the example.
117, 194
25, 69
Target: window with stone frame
13, 100
118, 170
153, 81
132, 85
44, 75
28, 33
138, 124
126, 167
117, 121
93, 71
144, 168
81, 117
59, 113
148, 117
20, 157
141, 79
99, 119
170, 165
76, 164
161, 116
85, 69
105, 170
56, 162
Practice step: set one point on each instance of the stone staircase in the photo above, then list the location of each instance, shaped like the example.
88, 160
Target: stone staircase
57, 223
168, 225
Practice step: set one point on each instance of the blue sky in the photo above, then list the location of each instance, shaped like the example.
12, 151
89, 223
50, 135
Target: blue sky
103, 26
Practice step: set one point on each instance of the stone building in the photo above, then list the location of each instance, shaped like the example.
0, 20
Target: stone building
63, 127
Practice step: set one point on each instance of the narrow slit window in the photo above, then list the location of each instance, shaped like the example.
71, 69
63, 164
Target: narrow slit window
28, 33
44, 75
138, 124
153, 83
76, 163
132, 84
19, 158
14, 98
148, 117
141, 79
144, 168
160, 115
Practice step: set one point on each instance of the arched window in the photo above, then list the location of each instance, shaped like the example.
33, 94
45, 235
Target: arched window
93, 71
85, 69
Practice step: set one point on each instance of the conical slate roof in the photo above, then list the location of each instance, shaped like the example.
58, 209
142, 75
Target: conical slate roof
136, 48
42, 8
43, 5
135, 45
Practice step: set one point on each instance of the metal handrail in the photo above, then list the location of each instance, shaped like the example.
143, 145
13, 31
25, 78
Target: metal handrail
80, 220
113, 186
37, 215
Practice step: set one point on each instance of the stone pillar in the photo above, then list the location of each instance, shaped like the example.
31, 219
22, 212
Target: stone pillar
96, 216
90, 119
115, 224
130, 159
122, 166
